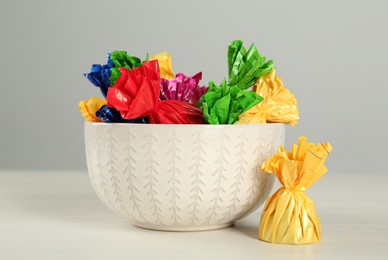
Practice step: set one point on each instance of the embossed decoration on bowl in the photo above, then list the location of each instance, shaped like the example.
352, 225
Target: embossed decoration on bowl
181, 177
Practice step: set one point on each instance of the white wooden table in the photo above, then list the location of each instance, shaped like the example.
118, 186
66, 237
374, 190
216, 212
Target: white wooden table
55, 215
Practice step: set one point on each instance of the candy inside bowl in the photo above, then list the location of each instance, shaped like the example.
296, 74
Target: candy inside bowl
181, 177
169, 153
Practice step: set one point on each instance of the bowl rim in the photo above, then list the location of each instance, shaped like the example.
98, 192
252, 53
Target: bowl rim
185, 125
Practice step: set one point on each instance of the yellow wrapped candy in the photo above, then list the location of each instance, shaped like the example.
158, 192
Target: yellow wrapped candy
89, 108
255, 115
289, 216
165, 65
279, 104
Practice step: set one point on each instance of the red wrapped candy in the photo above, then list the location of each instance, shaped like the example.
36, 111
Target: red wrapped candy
176, 112
136, 94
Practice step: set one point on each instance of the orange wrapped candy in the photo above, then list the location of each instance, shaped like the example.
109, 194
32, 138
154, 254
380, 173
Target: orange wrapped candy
89, 108
289, 216
279, 104
254, 115
165, 65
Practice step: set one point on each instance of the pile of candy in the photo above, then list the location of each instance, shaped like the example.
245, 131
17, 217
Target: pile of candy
148, 92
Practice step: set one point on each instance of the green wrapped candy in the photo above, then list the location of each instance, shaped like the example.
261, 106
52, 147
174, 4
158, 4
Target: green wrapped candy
245, 66
224, 104
121, 59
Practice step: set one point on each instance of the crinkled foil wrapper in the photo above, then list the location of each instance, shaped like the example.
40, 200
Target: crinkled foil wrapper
165, 65
289, 216
182, 88
245, 66
224, 104
89, 108
279, 104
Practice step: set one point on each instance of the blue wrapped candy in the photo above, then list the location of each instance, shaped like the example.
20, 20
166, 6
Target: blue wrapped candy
111, 115
100, 74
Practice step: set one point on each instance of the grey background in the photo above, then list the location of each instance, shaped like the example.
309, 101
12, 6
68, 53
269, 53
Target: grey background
331, 54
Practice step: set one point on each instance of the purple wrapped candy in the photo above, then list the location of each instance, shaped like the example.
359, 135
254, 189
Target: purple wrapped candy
182, 88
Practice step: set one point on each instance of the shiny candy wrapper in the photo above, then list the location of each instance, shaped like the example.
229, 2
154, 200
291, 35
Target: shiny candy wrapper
182, 88
111, 115
176, 112
165, 65
224, 104
254, 115
136, 94
289, 216
121, 59
99, 76
245, 66
89, 108
279, 104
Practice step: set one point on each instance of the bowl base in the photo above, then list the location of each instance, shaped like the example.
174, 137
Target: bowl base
181, 228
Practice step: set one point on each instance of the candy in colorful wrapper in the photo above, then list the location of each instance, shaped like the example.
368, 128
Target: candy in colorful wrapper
111, 115
182, 88
176, 112
254, 115
165, 65
289, 216
279, 104
121, 59
89, 108
99, 76
224, 104
136, 94
197, 94
245, 66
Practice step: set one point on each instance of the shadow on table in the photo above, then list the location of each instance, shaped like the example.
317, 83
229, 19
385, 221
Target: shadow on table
248, 230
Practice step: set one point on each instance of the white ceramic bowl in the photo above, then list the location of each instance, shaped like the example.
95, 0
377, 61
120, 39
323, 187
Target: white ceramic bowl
181, 177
